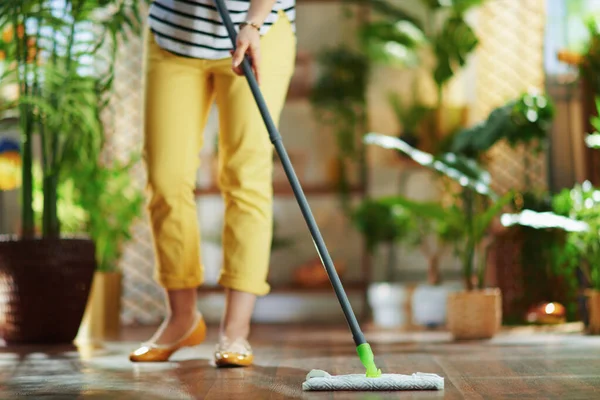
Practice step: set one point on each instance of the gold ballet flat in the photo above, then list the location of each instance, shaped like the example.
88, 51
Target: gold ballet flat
151, 352
237, 353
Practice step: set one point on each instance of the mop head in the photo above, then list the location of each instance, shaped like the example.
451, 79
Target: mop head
318, 380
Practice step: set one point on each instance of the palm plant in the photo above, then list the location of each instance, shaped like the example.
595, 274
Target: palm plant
60, 55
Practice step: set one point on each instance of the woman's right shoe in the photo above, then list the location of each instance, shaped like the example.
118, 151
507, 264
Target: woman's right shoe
151, 352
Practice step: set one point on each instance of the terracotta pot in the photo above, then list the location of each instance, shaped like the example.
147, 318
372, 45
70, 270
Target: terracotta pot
313, 274
475, 314
102, 317
593, 305
44, 287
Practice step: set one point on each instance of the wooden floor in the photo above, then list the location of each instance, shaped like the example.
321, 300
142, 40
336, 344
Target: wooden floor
512, 366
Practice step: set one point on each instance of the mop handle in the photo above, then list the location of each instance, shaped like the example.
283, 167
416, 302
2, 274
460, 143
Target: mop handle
275, 137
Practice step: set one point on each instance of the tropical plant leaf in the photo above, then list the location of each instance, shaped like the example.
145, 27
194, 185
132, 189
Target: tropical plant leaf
483, 136
392, 42
462, 170
452, 45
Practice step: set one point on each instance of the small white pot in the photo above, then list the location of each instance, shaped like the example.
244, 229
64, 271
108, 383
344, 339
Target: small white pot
388, 303
429, 304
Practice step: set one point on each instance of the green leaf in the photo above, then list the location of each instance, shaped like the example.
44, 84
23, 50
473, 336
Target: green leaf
381, 222
452, 46
462, 170
392, 42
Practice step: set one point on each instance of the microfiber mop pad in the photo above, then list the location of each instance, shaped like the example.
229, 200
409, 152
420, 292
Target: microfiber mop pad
318, 380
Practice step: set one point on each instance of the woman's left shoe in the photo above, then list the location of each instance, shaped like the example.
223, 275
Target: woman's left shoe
150, 352
236, 353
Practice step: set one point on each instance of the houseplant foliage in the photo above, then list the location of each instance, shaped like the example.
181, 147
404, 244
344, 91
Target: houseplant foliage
522, 121
60, 55
383, 222
429, 30
582, 248
475, 312
434, 229
339, 100
590, 60
409, 115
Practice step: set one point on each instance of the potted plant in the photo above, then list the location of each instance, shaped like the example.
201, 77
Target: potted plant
523, 122
581, 253
50, 53
383, 224
474, 312
433, 231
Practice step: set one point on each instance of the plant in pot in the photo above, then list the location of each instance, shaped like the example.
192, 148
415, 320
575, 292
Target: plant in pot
50, 52
99, 200
522, 123
433, 232
384, 224
581, 253
476, 311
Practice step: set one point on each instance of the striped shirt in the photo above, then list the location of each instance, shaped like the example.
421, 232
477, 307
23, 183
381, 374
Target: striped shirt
193, 28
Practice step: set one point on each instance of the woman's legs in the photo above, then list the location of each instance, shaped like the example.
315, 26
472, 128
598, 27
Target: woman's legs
245, 179
178, 97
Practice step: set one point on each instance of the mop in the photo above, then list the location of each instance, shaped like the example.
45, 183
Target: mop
318, 380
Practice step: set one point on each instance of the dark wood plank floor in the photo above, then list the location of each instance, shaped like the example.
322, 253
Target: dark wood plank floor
512, 366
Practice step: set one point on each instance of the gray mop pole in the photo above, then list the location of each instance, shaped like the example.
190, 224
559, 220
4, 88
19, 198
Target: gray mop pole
275, 137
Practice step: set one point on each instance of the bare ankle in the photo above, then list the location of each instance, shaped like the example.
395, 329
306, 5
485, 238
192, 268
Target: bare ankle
182, 316
233, 331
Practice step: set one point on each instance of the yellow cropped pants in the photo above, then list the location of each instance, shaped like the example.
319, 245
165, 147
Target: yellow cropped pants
179, 93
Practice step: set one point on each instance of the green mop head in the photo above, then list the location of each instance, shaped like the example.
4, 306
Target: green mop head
318, 380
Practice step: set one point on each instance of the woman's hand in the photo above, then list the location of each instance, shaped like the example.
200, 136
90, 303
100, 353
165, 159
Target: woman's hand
248, 42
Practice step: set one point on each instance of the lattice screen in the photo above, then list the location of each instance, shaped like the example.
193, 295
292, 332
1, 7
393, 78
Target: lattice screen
509, 62
142, 299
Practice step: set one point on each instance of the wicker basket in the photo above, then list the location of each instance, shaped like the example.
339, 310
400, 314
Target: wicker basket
593, 306
44, 287
475, 314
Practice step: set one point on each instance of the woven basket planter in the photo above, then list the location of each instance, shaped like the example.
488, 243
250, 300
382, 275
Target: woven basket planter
44, 287
475, 314
593, 306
